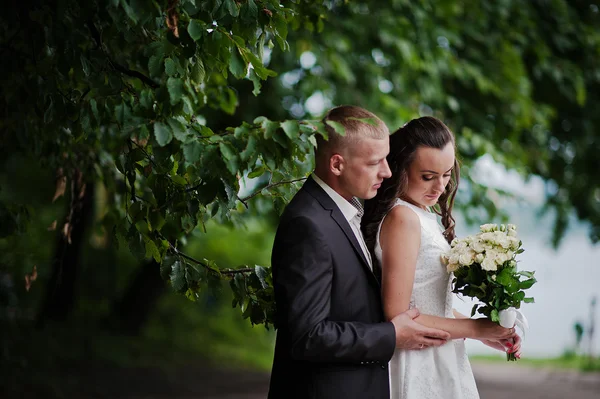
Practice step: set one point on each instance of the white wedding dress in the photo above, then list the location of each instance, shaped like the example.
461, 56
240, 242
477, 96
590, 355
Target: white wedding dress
436, 372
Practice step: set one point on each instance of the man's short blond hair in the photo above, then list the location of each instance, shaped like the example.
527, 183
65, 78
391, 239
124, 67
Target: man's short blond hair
358, 124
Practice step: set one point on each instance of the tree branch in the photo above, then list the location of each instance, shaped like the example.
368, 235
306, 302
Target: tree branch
270, 185
204, 265
124, 70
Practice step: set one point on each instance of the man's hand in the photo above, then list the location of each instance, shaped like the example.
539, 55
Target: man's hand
412, 335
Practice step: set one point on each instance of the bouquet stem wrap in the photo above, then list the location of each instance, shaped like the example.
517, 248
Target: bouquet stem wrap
512, 317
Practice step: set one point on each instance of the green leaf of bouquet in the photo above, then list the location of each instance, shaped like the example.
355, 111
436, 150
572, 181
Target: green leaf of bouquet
526, 273
494, 315
529, 300
527, 283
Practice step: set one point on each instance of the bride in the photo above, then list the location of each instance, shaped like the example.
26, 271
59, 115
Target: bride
402, 232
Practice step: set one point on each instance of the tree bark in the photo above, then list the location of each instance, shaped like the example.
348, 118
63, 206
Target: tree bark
60, 295
130, 313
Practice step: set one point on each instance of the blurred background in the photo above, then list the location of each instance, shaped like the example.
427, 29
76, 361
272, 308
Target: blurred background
133, 157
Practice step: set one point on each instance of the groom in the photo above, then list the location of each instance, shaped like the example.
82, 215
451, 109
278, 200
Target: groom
332, 340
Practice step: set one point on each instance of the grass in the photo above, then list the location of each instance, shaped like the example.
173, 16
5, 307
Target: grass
566, 361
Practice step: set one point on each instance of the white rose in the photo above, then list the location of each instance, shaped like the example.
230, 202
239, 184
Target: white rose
453, 258
452, 267
489, 264
502, 257
504, 242
479, 258
487, 236
467, 258
478, 246
488, 227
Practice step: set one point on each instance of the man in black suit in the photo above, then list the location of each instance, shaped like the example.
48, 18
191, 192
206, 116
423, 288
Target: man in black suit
332, 339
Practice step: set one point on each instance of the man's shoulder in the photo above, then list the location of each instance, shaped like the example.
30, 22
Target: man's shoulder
303, 203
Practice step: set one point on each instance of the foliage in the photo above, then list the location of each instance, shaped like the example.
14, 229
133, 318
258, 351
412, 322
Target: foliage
180, 110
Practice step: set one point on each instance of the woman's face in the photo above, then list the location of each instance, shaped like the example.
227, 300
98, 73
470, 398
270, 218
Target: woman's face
429, 174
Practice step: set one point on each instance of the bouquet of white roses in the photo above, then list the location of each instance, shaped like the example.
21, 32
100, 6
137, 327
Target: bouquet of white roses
485, 268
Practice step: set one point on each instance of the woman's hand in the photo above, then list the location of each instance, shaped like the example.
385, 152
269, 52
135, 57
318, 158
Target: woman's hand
505, 345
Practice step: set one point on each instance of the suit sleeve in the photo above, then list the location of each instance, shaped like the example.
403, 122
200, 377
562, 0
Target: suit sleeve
303, 271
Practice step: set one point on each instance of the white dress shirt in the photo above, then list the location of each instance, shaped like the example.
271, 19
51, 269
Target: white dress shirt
352, 211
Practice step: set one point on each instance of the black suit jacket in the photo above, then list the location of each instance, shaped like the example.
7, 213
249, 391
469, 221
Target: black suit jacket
332, 341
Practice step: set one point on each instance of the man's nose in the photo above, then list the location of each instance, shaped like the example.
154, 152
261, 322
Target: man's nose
385, 171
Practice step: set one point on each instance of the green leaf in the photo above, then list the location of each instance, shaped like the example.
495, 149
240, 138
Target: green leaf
178, 276
291, 129
152, 250
196, 29
175, 87
156, 220
261, 273
179, 129
337, 127
250, 149
192, 151
94, 108
259, 171
155, 66
85, 65
529, 300
170, 67
226, 150
249, 11
122, 113
527, 283
495, 316
165, 267
162, 133
474, 310
255, 81
237, 66
232, 8
198, 72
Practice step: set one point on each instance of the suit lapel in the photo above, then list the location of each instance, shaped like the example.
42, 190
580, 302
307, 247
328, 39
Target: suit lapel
327, 203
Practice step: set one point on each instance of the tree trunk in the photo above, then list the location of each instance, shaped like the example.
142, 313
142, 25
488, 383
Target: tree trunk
132, 311
60, 296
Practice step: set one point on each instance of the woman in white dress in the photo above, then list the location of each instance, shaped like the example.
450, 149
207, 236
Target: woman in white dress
402, 232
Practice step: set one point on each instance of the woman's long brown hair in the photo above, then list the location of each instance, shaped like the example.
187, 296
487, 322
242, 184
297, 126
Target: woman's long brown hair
404, 142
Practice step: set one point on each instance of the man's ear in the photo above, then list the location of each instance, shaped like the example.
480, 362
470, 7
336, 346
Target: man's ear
336, 164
